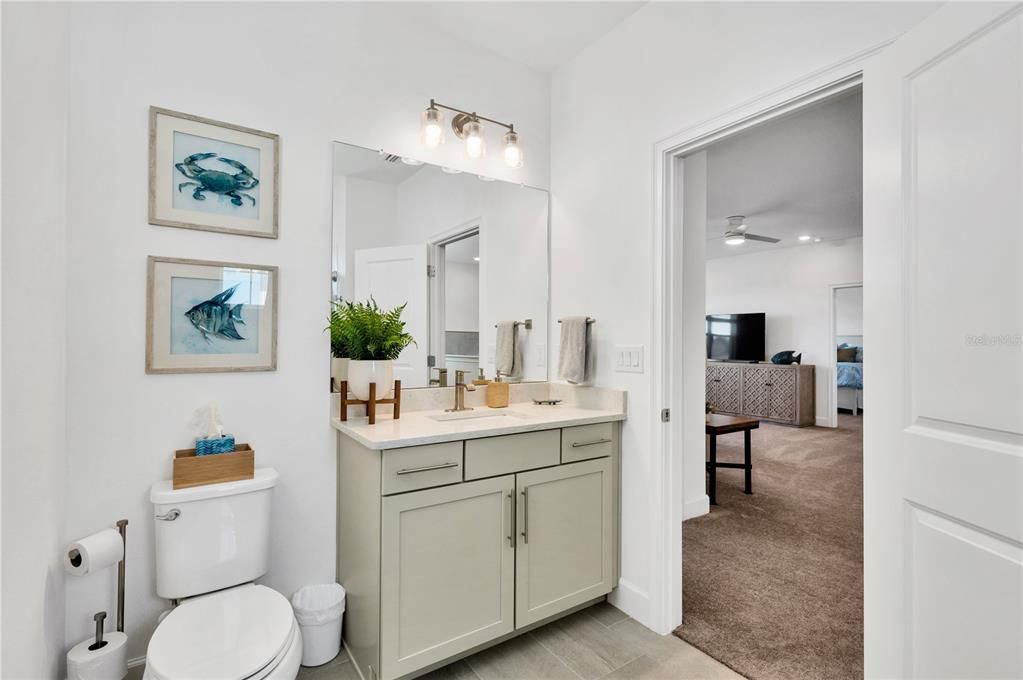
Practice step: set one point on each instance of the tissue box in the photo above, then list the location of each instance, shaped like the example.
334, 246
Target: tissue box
193, 470
205, 447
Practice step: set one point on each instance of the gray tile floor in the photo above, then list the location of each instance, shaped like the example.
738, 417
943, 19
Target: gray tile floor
598, 642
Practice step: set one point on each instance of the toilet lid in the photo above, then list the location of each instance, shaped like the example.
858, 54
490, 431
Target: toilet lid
228, 635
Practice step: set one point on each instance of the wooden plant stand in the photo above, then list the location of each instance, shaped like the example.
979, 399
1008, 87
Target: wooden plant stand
371, 403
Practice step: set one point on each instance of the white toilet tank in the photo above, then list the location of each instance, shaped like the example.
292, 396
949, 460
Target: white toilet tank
212, 537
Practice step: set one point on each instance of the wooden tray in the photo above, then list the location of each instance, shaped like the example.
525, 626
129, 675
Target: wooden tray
192, 470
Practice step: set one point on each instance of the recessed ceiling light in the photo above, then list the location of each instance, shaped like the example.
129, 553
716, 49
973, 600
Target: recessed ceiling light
410, 161
805, 237
484, 178
451, 171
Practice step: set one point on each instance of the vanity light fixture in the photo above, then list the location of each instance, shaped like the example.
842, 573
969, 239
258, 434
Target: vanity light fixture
805, 237
816, 239
450, 171
468, 126
410, 161
484, 178
476, 259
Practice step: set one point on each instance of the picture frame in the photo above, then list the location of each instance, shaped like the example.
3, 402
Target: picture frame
205, 316
212, 176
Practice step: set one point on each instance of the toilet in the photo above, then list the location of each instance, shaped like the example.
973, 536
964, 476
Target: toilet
212, 542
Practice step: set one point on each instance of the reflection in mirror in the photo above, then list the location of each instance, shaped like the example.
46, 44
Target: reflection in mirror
464, 254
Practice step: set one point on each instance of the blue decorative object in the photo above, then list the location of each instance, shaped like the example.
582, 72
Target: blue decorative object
217, 181
787, 357
212, 445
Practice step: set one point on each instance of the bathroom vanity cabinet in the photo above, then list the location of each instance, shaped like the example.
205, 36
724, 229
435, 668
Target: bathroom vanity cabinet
449, 547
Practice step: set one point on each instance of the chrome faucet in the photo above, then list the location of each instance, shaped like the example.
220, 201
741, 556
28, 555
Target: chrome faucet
460, 389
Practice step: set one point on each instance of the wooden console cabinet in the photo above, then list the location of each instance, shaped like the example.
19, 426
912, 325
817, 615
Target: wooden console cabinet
785, 394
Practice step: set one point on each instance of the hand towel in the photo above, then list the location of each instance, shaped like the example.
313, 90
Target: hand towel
504, 351
574, 349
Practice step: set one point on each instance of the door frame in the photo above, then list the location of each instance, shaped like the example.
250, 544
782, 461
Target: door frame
667, 351
435, 315
833, 358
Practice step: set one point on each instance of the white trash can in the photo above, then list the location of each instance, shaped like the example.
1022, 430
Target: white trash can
318, 610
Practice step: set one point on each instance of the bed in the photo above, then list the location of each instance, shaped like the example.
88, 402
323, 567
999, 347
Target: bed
849, 375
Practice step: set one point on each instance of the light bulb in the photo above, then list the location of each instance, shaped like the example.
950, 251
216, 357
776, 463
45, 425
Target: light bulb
433, 127
512, 150
735, 239
473, 133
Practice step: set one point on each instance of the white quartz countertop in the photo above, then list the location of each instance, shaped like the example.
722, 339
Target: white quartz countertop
422, 427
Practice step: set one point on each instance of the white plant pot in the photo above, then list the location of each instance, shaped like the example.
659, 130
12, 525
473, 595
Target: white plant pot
362, 373
338, 371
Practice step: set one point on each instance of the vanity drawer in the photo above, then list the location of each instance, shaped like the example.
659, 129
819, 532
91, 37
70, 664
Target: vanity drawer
587, 441
495, 456
420, 467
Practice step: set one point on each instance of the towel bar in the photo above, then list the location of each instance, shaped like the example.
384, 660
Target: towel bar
528, 323
588, 320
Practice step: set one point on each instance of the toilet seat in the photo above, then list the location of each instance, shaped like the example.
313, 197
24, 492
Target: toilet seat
241, 633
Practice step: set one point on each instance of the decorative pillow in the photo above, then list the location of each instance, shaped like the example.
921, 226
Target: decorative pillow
847, 354
859, 355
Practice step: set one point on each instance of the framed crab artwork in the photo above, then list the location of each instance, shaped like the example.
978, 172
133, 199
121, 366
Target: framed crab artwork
206, 317
213, 176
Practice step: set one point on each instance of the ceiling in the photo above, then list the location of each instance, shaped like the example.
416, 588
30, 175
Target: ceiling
802, 174
541, 35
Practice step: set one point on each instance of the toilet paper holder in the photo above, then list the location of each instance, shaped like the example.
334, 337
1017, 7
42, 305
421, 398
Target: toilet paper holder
122, 528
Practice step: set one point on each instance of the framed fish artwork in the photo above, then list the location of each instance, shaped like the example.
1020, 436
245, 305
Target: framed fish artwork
210, 317
213, 176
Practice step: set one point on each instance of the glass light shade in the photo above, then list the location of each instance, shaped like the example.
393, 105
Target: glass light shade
735, 240
512, 150
433, 128
473, 133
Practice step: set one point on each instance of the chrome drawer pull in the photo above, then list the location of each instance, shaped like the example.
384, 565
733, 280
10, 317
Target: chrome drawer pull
511, 529
426, 468
576, 445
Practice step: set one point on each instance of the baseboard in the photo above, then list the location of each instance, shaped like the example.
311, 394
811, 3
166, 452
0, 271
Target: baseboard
696, 507
632, 600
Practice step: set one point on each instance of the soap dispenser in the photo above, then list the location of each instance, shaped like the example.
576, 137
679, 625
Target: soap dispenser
497, 393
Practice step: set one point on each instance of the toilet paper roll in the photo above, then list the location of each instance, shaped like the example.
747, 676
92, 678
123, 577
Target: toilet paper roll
109, 662
97, 551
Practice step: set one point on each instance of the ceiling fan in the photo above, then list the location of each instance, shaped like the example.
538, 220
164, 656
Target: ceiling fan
736, 233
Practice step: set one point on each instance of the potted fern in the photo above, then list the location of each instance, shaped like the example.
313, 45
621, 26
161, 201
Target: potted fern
338, 349
373, 338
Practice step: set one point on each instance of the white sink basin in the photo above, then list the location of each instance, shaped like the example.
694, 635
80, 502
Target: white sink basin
477, 414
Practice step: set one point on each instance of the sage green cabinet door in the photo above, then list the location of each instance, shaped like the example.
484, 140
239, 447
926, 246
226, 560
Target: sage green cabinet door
565, 534
447, 572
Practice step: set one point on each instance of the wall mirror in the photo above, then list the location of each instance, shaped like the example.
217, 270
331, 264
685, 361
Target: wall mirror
464, 252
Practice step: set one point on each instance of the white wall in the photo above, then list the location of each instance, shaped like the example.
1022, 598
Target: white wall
849, 311
312, 73
663, 70
34, 303
792, 286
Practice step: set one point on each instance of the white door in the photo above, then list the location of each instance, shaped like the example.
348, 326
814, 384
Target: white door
394, 276
943, 308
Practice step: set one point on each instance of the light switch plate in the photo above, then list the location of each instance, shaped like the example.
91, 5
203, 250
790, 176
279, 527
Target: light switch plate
629, 359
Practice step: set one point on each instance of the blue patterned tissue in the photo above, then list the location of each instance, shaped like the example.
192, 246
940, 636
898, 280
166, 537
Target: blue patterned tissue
209, 445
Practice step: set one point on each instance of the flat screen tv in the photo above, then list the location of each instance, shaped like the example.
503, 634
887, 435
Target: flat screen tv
736, 337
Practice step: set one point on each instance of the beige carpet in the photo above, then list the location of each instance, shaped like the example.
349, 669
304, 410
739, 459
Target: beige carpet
773, 582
